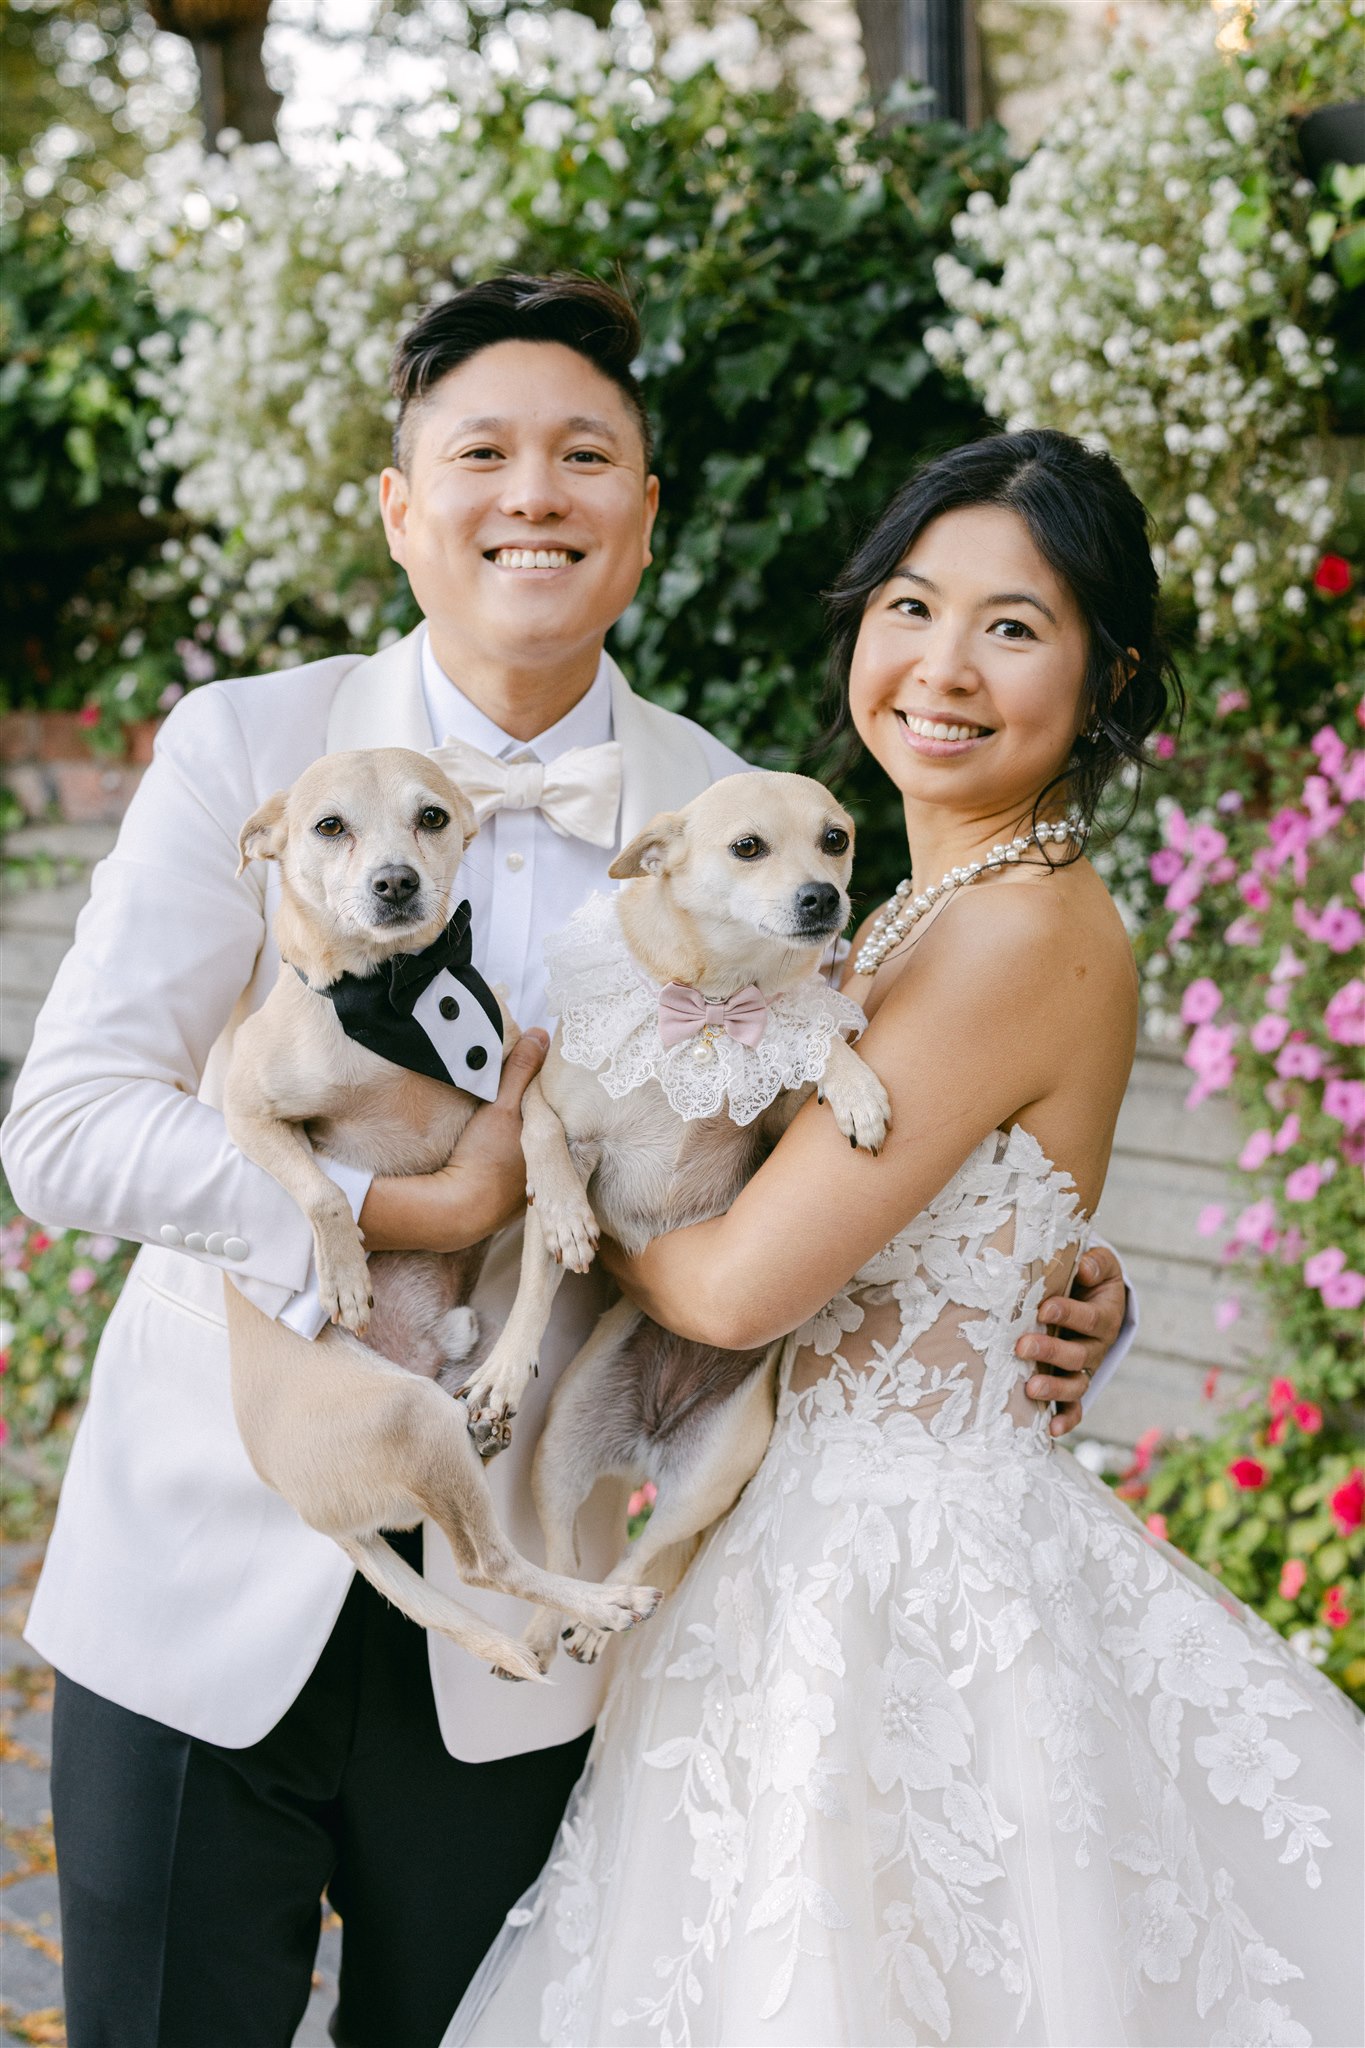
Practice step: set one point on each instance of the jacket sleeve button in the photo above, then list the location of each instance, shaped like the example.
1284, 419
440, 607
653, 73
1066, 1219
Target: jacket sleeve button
235, 1248
194, 1240
171, 1236
214, 1243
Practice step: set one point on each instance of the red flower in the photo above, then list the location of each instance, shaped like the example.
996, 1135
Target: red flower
1335, 1612
1248, 1473
1308, 1415
40, 1242
1332, 576
1283, 1395
1348, 1502
1211, 1379
1275, 1432
1293, 1577
89, 714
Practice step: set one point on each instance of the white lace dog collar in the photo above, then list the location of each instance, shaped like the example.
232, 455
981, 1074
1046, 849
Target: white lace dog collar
608, 1010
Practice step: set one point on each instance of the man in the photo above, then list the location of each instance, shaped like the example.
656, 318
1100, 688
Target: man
238, 1723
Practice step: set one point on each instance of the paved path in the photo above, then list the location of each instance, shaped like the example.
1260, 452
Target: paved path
30, 1928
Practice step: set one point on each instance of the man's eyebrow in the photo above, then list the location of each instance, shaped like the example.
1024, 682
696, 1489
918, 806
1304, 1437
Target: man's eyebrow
1001, 597
578, 423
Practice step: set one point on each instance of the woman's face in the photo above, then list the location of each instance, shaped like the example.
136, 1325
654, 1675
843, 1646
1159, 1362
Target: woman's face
966, 678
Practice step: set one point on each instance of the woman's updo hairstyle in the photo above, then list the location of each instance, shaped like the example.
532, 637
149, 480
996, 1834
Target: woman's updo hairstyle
1093, 532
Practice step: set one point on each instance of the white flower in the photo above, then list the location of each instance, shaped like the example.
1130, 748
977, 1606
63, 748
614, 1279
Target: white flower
1059, 1711
1240, 123
718, 1849
828, 1325
1244, 1761
576, 1915
1159, 1932
1199, 1654
915, 1725
1261, 2023
563, 2011
881, 1462
779, 1730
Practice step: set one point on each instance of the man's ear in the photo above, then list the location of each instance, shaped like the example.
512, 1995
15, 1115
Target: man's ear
655, 851
263, 835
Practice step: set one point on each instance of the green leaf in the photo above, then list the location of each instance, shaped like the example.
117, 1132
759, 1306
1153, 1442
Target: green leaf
837, 451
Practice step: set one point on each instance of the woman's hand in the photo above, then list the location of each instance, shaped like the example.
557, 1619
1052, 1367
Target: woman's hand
1084, 1329
481, 1188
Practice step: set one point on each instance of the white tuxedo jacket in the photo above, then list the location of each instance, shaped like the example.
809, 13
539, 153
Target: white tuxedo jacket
176, 1583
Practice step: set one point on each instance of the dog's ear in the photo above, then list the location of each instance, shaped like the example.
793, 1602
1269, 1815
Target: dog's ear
652, 852
263, 835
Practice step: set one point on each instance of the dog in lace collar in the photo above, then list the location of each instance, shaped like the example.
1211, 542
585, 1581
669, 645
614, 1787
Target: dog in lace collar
728, 907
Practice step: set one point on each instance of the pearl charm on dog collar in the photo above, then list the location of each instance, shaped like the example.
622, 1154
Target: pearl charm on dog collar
902, 912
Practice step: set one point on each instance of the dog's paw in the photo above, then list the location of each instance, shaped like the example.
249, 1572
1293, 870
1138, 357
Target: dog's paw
584, 1645
344, 1285
542, 1637
614, 1608
569, 1228
861, 1108
491, 1397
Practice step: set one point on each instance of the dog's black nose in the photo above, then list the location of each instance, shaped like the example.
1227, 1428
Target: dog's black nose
395, 884
817, 902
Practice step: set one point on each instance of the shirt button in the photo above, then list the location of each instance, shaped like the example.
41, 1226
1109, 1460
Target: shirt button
516, 862
476, 1057
449, 1008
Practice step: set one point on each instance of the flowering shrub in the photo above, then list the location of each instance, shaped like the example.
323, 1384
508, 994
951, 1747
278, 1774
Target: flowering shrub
1251, 955
1159, 284
59, 1287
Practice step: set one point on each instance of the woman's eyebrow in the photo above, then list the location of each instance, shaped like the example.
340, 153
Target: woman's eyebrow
1002, 597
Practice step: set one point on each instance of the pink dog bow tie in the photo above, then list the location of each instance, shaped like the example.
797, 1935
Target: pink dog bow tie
684, 1013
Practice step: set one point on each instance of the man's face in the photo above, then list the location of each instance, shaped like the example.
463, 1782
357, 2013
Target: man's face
524, 516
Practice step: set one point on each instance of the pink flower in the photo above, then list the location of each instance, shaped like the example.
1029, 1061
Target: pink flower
1163, 746
1230, 802
89, 714
1269, 1032
1287, 1135
1303, 1183
1348, 1502
1288, 967
1293, 1577
1207, 843
81, 1279
1175, 829
1324, 1265
1308, 1415
1202, 999
1339, 927
1248, 1473
1157, 1525
1226, 1313
1182, 927
1254, 1153
1229, 701
1254, 1222
1335, 1612
1253, 891
1243, 931
1282, 1395
1185, 890
1165, 865
1344, 1290
1330, 749
1344, 1016
1345, 1102
1351, 783
1276, 999
644, 1497
1210, 1219
1300, 1061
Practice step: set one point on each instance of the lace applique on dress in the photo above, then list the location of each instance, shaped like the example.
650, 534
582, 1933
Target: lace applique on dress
608, 1009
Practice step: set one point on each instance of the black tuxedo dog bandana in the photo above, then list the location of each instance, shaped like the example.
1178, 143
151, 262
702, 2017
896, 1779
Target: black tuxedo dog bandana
431, 1012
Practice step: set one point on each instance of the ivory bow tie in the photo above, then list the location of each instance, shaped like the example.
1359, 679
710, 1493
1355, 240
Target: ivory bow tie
684, 1013
578, 795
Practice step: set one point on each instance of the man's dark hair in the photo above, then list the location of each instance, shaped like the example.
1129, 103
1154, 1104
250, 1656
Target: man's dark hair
578, 312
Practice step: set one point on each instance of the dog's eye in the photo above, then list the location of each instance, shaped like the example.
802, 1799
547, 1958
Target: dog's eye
836, 840
329, 828
748, 848
433, 818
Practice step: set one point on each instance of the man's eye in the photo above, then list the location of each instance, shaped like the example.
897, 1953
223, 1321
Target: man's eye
836, 840
748, 848
586, 455
482, 454
329, 828
433, 818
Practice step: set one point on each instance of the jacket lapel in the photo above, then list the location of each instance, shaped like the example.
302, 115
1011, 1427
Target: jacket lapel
662, 764
379, 702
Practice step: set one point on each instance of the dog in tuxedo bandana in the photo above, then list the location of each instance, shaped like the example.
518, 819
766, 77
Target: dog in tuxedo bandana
693, 1024
375, 1046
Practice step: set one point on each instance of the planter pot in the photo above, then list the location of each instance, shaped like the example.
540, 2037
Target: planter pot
1332, 135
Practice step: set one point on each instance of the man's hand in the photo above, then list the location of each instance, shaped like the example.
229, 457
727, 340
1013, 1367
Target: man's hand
483, 1186
1084, 1326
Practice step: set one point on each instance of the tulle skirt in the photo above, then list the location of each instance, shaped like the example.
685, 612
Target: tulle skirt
936, 1743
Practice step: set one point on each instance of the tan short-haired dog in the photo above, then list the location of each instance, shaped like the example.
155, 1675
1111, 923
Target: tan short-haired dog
708, 956
359, 1437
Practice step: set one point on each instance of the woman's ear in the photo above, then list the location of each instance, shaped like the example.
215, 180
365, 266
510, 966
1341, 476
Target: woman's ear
654, 851
263, 835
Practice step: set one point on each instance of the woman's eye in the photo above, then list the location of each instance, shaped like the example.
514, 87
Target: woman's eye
911, 607
329, 828
748, 848
1013, 629
836, 840
433, 818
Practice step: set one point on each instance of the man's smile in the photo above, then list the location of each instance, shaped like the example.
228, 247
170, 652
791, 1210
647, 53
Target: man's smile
532, 558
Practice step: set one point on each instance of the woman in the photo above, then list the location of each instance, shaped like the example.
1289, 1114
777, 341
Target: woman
934, 1741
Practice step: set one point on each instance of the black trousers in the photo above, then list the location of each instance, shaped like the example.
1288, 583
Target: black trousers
191, 1876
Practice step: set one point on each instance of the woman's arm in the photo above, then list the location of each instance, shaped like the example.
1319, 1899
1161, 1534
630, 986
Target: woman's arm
967, 1039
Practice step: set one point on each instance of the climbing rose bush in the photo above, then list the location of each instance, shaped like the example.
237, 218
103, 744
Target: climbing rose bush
1150, 283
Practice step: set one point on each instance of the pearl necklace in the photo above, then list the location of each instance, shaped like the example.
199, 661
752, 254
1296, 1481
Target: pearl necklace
902, 913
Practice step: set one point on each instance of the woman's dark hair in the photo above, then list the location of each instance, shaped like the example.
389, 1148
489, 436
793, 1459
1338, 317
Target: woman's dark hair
578, 312
1092, 530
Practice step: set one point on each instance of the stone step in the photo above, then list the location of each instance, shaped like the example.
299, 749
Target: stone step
38, 909
31, 960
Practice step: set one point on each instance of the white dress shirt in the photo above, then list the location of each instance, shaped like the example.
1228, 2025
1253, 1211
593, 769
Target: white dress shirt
523, 879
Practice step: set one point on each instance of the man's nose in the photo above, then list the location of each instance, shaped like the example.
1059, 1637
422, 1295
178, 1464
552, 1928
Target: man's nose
534, 487
395, 884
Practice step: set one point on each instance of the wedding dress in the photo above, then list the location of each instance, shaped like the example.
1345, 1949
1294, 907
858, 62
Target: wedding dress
935, 1742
